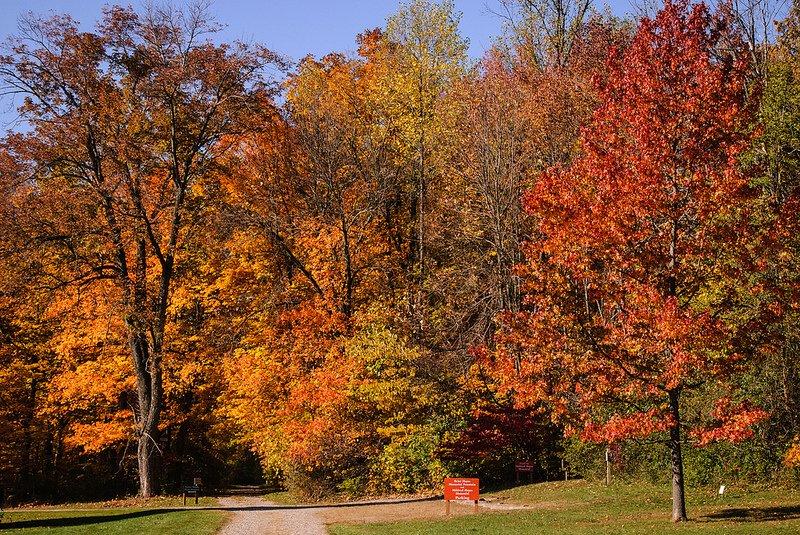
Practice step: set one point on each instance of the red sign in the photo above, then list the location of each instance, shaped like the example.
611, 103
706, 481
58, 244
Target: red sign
461, 488
524, 466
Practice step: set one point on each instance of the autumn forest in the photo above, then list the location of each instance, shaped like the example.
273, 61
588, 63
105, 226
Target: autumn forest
360, 273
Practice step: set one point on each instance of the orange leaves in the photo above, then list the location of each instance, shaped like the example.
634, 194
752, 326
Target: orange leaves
310, 276
129, 123
99, 435
95, 400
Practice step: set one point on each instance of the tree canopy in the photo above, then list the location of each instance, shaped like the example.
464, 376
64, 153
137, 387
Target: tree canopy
364, 272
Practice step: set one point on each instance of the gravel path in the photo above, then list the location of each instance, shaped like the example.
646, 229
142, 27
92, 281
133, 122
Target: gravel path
254, 516
302, 521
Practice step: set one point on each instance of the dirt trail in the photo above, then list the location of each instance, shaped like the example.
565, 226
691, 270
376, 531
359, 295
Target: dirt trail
255, 516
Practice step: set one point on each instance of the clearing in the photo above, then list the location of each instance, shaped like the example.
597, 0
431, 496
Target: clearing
559, 508
584, 508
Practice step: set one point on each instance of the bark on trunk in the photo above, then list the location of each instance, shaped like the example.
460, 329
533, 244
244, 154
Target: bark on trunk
26, 465
148, 410
678, 497
147, 460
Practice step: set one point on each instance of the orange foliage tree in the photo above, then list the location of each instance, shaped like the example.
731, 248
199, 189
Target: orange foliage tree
126, 125
321, 254
186, 266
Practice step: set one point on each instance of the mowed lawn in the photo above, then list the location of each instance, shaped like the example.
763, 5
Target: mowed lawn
114, 521
582, 508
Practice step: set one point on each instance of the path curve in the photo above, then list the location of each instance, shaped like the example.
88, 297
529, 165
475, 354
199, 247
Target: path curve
256, 516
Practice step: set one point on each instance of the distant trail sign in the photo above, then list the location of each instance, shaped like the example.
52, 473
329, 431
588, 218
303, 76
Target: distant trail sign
191, 490
461, 489
523, 467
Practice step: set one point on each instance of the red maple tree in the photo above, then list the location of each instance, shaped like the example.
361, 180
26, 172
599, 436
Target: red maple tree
635, 280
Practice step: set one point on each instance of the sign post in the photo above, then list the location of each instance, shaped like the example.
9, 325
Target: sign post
191, 490
523, 466
461, 489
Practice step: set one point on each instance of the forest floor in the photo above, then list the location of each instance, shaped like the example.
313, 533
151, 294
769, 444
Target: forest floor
560, 508
234, 515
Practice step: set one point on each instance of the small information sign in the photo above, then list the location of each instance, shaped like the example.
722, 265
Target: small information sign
191, 490
524, 466
461, 489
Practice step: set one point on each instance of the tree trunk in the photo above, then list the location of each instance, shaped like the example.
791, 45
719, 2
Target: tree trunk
678, 496
148, 410
147, 459
26, 482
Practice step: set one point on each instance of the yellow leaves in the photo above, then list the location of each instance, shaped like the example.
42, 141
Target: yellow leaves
407, 463
311, 395
191, 373
427, 33
325, 88
792, 456
409, 75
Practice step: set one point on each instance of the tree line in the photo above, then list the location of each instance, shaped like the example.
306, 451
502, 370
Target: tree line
361, 273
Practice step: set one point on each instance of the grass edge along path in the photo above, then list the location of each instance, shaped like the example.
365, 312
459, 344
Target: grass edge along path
113, 521
585, 508
133, 502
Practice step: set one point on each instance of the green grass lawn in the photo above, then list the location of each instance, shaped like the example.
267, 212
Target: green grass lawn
112, 522
582, 508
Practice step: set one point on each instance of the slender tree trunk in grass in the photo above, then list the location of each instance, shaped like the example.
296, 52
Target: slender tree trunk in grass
148, 453
678, 497
650, 252
147, 460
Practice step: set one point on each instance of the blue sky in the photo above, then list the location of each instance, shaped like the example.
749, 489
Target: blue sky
291, 27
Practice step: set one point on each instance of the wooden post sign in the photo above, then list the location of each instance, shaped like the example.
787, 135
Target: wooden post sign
191, 490
523, 466
461, 489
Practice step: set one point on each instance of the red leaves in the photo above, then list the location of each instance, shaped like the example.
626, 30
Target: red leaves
628, 287
620, 427
732, 422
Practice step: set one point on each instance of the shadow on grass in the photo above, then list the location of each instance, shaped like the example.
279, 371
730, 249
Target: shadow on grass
756, 514
71, 521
